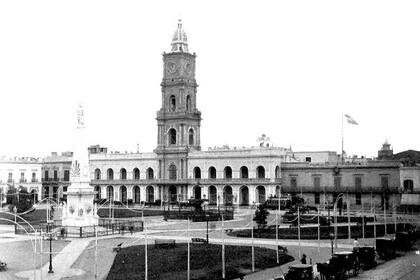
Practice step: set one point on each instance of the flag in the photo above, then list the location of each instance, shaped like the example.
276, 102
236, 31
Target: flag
350, 120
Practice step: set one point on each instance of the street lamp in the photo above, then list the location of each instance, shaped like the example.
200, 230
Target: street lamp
50, 236
340, 196
332, 243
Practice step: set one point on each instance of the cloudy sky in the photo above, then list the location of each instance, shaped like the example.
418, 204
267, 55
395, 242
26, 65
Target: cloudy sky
287, 69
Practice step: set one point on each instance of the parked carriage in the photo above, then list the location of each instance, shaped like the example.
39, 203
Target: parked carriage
404, 240
366, 256
386, 247
340, 265
300, 271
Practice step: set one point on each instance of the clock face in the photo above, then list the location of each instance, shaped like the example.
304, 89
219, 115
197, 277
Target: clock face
172, 67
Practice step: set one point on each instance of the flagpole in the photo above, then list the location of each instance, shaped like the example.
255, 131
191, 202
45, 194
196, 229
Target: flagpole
342, 138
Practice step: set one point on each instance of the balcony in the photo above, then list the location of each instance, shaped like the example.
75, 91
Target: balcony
223, 181
332, 189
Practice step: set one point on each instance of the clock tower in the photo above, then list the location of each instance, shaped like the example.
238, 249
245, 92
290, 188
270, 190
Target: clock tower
178, 119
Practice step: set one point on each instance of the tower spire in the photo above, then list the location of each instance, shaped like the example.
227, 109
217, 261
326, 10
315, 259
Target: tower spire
179, 40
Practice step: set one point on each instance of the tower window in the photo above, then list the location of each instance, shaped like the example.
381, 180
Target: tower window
188, 103
191, 137
172, 172
172, 102
172, 136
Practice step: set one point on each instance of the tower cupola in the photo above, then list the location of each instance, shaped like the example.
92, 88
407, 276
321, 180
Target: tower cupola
179, 40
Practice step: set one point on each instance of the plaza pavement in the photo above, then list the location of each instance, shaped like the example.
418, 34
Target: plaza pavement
176, 230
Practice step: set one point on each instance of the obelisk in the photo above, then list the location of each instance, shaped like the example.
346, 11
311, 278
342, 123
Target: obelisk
80, 210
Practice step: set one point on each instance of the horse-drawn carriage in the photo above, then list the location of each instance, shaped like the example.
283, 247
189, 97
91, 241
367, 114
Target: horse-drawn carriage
386, 247
366, 256
340, 265
301, 272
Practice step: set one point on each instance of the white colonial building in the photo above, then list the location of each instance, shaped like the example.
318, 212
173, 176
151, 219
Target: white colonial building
20, 172
178, 169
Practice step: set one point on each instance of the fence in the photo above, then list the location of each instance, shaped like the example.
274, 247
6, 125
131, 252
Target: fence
200, 216
104, 227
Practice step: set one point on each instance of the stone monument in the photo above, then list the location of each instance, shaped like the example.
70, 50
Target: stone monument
80, 210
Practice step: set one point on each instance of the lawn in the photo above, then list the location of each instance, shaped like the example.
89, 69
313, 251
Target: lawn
206, 262
129, 213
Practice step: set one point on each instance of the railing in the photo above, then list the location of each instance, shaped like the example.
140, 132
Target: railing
22, 181
332, 189
183, 181
104, 227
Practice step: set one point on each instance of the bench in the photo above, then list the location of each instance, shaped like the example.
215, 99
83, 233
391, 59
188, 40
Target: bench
198, 240
117, 248
165, 244
282, 249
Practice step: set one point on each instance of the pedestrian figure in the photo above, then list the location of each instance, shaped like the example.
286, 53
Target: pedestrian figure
356, 243
303, 259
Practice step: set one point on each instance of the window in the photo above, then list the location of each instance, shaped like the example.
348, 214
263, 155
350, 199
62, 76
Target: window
136, 174
212, 173
66, 175
337, 182
191, 137
260, 172
317, 183
308, 159
149, 173
172, 172
22, 177
55, 175
293, 182
172, 103
384, 182
228, 172
46, 175
110, 174
317, 198
197, 172
277, 172
358, 183
408, 185
172, 136
123, 174
33, 177
358, 198
244, 172
188, 103
97, 174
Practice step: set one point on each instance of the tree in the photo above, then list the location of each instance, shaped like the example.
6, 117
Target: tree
19, 198
261, 216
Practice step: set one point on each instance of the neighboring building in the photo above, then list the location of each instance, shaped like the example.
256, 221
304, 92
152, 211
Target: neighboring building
364, 184
56, 175
20, 172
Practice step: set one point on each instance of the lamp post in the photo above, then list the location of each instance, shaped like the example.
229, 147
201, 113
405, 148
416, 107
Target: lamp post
50, 235
332, 242
335, 218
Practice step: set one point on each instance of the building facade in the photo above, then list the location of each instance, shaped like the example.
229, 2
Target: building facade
20, 172
178, 169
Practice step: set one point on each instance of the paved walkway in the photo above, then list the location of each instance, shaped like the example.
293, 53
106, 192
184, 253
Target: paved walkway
62, 262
